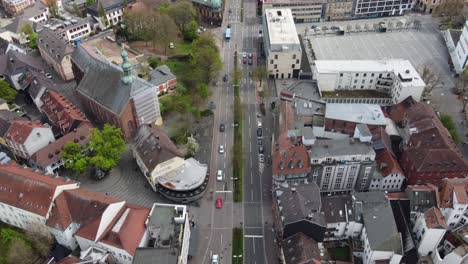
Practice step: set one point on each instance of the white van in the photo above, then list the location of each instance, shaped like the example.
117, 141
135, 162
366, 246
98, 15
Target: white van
259, 124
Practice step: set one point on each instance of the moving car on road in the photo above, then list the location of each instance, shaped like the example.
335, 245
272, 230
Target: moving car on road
261, 158
260, 149
219, 175
219, 203
221, 149
260, 141
259, 132
225, 78
222, 128
214, 259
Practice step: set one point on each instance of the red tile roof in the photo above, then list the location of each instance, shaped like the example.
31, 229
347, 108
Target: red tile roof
286, 118
434, 218
52, 152
80, 206
70, 260
459, 187
62, 113
397, 196
388, 164
19, 131
23, 188
127, 229
430, 147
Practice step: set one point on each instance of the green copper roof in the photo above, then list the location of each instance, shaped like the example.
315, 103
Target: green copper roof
215, 4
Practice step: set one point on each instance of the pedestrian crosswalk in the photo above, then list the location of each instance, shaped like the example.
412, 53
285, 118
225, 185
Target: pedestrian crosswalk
261, 167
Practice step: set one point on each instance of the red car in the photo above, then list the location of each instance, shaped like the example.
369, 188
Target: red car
244, 60
219, 203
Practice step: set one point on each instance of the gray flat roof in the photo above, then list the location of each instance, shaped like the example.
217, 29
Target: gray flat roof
339, 147
337, 207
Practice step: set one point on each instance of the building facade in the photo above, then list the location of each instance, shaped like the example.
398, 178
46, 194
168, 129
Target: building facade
391, 177
163, 79
379, 8
211, 12
342, 165
13, 7
396, 78
342, 222
337, 10
56, 52
282, 47
461, 49
79, 30
454, 201
302, 11
114, 11
24, 138
428, 230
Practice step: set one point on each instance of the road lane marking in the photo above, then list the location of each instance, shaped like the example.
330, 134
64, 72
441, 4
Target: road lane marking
250, 145
251, 177
254, 248
253, 236
222, 240
223, 191
251, 194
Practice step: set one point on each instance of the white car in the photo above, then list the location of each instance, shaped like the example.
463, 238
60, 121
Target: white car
219, 175
221, 149
244, 55
261, 158
214, 259
171, 45
48, 75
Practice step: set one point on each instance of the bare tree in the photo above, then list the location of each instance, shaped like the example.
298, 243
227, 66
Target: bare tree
41, 240
20, 252
162, 29
431, 80
260, 73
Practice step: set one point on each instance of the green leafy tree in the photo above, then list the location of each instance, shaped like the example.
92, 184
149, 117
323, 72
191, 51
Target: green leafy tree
102, 13
76, 10
190, 32
182, 12
6, 92
106, 147
125, 3
162, 30
33, 40
260, 73
164, 9
53, 8
206, 58
448, 123
192, 145
75, 158
27, 29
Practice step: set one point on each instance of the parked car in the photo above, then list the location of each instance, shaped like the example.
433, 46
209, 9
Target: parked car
244, 60
221, 149
219, 203
261, 158
171, 45
260, 149
214, 259
221, 128
48, 75
244, 55
219, 175
250, 55
260, 141
334, 28
259, 132
250, 61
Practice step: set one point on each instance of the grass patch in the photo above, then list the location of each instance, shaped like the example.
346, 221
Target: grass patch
448, 123
183, 48
237, 159
7, 235
178, 68
237, 245
339, 254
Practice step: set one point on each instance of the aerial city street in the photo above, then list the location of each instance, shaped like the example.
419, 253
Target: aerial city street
233, 132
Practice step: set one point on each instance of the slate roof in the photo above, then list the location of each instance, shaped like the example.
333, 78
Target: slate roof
36, 84
301, 249
14, 61
6, 118
52, 152
4, 44
299, 203
20, 130
56, 47
23, 188
34, 10
379, 221
455, 34
161, 75
62, 113
154, 146
113, 93
17, 24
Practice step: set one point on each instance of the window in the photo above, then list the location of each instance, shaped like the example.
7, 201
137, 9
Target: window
362, 86
293, 65
355, 81
315, 172
329, 159
327, 175
294, 56
452, 224
338, 180
341, 75
456, 216
337, 186
365, 74
328, 169
371, 81
297, 61
349, 185
357, 74
372, 75
341, 168
339, 174
314, 161
363, 81
276, 57
325, 186
275, 66
271, 61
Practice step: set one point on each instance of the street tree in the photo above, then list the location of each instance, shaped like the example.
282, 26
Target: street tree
452, 12
192, 145
106, 147
102, 14
53, 8
190, 32
431, 80
206, 59
183, 13
162, 30
20, 252
75, 157
260, 73
6, 92
40, 240
76, 10
27, 29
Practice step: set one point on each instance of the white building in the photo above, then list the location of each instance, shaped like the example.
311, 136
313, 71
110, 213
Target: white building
26, 197
454, 201
377, 8
79, 30
461, 49
397, 78
303, 11
380, 236
428, 230
390, 175
24, 138
282, 47
342, 221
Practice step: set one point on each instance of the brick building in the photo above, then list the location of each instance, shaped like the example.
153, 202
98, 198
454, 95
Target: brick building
429, 153
111, 94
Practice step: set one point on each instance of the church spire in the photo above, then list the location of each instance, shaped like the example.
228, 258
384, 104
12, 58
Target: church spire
126, 67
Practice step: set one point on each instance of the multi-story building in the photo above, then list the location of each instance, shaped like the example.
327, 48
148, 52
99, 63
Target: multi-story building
342, 221
17, 65
453, 200
339, 10
6, 119
13, 7
422, 197
37, 13
396, 78
165, 168
427, 6
78, 29
114, 11
211, 12
380, 236
26, 197
391, 177
302, 11
56, 52
6, 45
453, 248
379, 8
342, 165
24, 138
281, 44
49, 158
163, 79
61, 113
123, 100
428, 153
428, 230
457, 42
